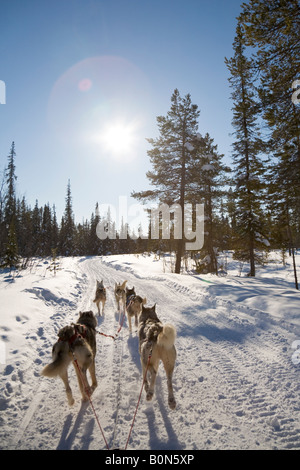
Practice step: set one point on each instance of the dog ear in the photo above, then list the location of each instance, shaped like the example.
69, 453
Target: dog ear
144, 301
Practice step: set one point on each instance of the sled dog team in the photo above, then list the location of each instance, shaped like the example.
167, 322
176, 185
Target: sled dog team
77, 344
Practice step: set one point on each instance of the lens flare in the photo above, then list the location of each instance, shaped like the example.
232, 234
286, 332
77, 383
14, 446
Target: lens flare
85, 84
96, 104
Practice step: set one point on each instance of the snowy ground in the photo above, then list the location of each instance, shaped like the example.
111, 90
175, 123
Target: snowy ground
236, 381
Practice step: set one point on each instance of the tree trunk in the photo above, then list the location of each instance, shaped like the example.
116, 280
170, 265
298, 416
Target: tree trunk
179, 255
292, 250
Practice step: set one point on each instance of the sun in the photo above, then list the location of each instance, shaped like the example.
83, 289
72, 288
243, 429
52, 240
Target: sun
118, 139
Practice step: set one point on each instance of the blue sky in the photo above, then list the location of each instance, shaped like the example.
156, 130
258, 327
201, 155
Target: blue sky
86, 79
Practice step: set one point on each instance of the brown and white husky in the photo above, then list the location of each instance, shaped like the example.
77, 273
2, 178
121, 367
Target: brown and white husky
156, 342
76, 342
134, 305
120, 296
100, 296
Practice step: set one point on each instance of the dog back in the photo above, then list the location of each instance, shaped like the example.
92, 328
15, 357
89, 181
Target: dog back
152, 330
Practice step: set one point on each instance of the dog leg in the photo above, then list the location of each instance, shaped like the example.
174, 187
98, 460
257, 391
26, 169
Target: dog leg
153, 374
171, 399
146, 385
129, 323
82, 381
64, 377
169, 362
93, 376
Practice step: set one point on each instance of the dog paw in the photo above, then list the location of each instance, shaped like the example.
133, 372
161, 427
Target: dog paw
172, 403
71, 401
92, 388
149, 396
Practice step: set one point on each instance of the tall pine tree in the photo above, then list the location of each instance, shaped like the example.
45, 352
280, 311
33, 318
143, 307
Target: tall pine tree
11, 256
206, 182
10, 203
170, 158
68, 229
272, 29
247, 147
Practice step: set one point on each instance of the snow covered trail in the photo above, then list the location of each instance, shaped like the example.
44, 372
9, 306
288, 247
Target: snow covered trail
234, 382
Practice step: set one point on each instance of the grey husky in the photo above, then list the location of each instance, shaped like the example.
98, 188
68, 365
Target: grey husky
156, 342
100, 296
134, 305
120, 295
76, 342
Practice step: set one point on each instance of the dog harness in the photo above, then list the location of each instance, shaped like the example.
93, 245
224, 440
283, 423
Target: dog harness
80, 332
130, 299
120, 292
101, 290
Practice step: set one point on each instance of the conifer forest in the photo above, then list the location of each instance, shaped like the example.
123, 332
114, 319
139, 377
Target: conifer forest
251, 205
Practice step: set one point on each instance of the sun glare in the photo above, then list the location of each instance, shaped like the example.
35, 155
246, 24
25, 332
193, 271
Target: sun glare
118, 140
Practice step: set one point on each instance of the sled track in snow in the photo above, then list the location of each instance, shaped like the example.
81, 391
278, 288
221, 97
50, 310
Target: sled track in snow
112, 350
33, 403
245, 367
256, 384
239, 386
243, 398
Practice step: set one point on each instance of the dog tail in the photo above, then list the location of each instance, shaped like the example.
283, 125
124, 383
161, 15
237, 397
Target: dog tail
60, 360
167, 336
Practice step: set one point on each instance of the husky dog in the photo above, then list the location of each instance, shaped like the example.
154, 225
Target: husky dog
133, 306
100, 296
156, 342
120, 295
76, 342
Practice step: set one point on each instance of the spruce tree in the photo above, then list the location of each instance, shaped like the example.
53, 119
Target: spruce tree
68, 229
54, 229
36, 219
247, 147
206, 181
94, 243
11, 257
2, 207
46, 232
25, 231
272, 30
10, 203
